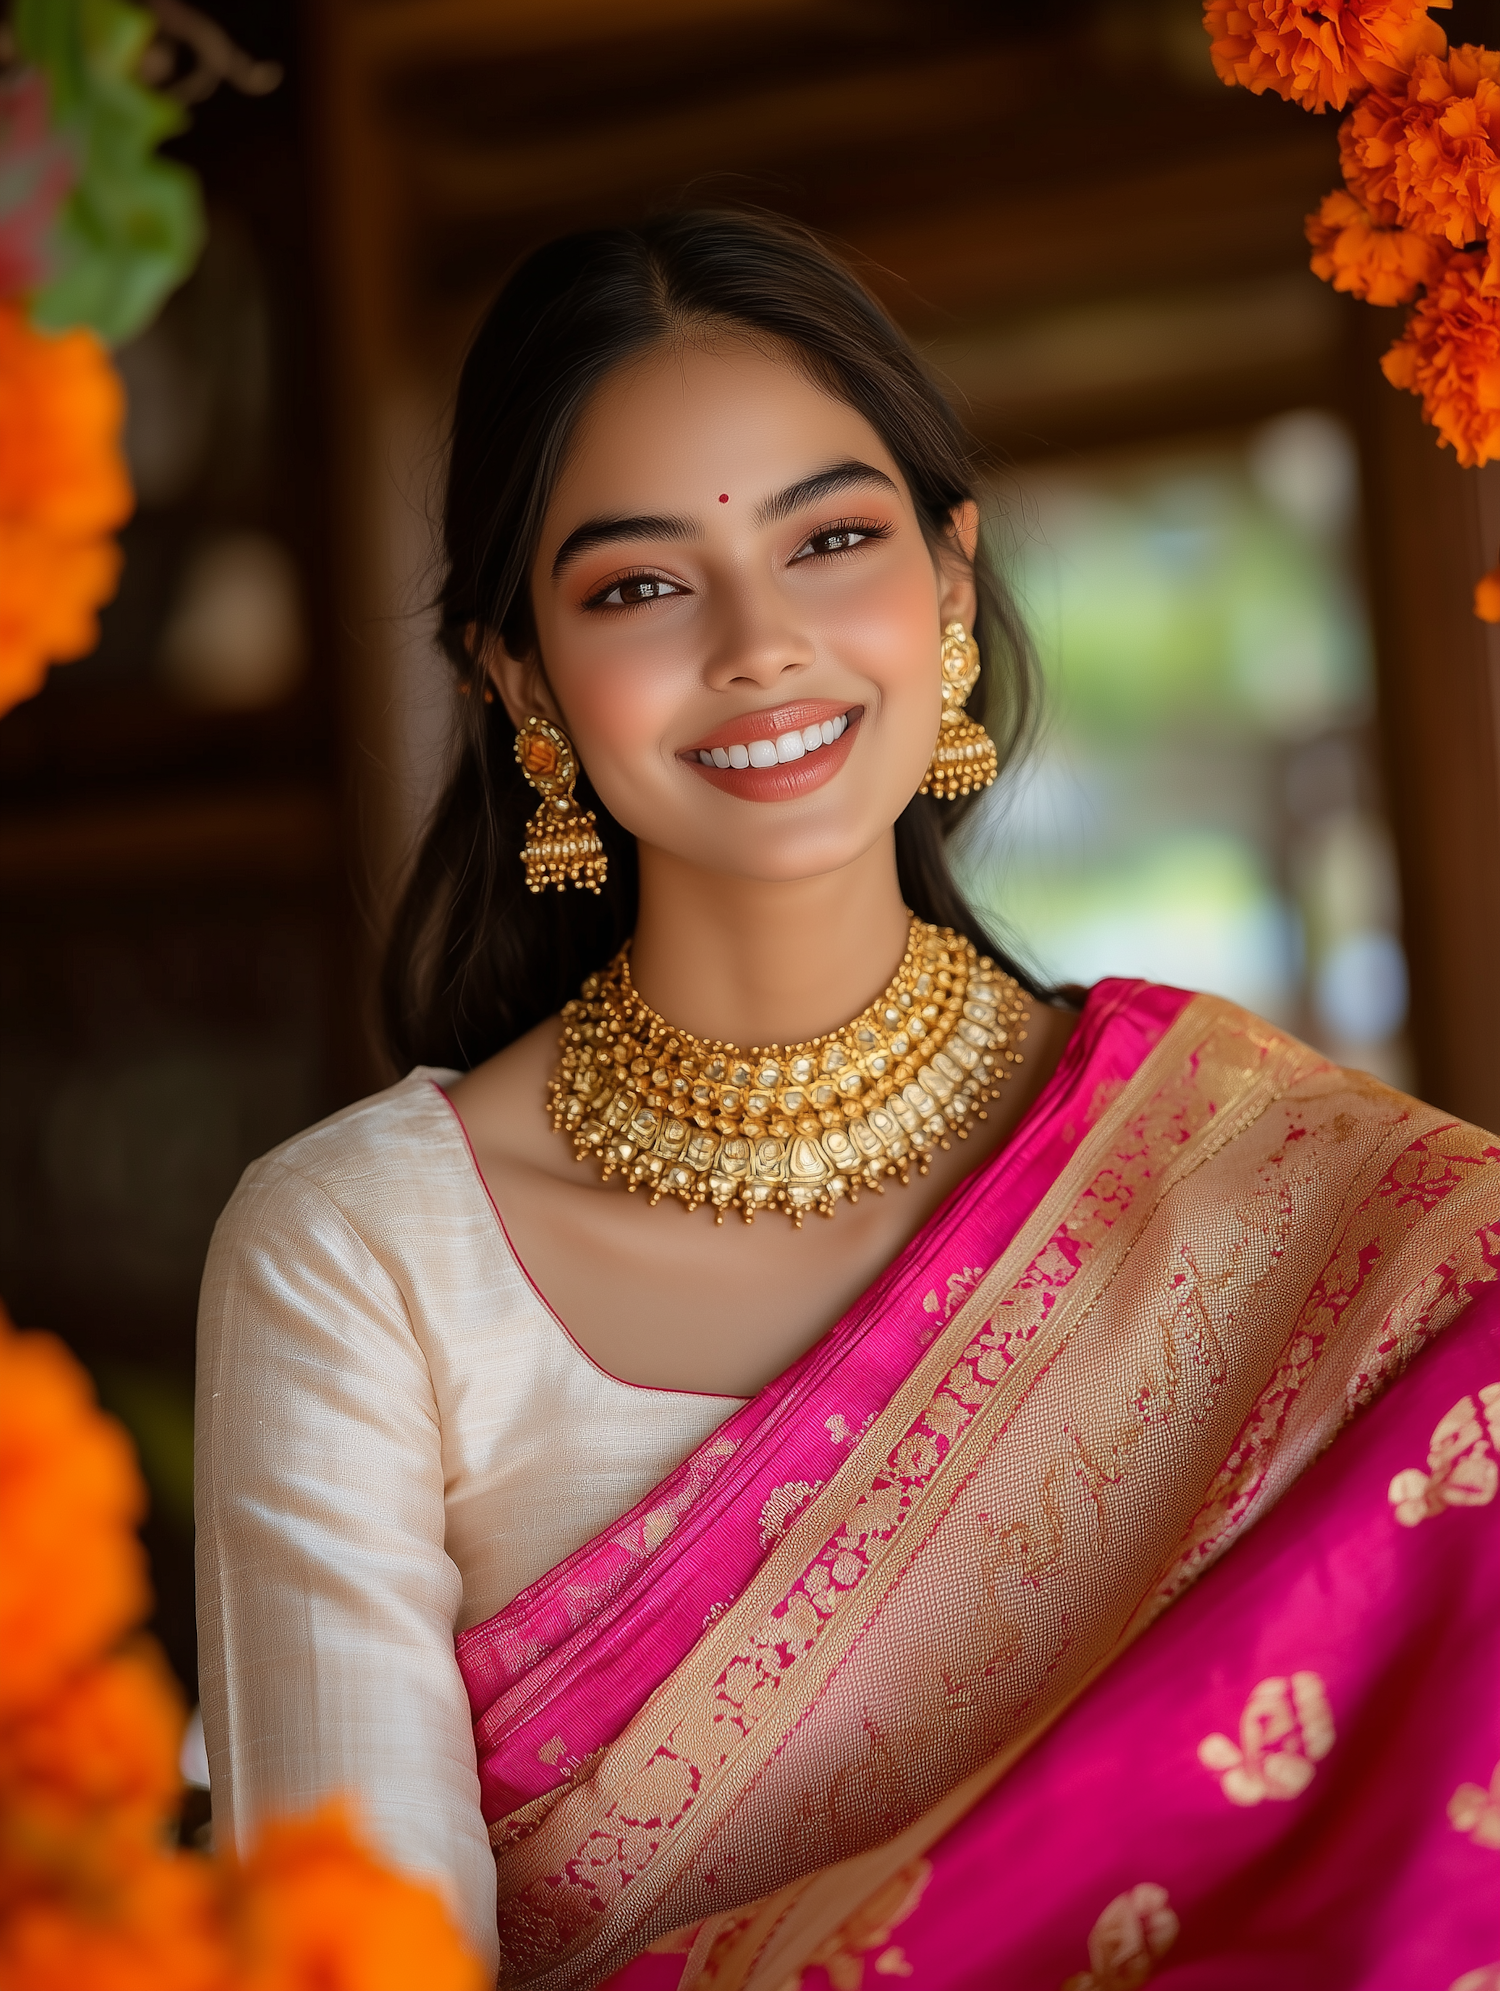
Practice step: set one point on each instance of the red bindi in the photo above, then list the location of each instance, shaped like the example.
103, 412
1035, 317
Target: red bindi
723, 497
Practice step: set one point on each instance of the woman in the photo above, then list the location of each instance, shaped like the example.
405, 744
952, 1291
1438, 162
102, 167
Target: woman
810, 1585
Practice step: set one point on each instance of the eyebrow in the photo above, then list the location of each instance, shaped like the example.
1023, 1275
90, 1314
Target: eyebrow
603, 531
822, 484
806, 491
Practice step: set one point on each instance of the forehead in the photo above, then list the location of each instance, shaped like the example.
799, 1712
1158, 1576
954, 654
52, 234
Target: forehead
683, 423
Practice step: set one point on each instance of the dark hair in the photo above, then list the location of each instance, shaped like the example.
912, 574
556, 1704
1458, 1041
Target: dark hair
474, 959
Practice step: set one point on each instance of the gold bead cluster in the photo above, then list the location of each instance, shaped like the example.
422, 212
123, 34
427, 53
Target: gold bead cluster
965, 758
792, 1127
563, 847
562, 844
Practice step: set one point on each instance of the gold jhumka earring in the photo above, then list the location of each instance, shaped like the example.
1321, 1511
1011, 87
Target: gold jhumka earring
964, 758
562, 841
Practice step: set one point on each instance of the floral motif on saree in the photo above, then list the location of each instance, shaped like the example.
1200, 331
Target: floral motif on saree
1240, 1246
1286, 1729
1130, 1937
1476, 1812
1461, 1471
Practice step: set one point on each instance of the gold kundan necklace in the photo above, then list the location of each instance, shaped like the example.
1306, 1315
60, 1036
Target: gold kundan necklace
792, 1127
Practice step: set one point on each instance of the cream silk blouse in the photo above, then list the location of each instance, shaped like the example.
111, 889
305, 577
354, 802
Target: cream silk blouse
395, 1435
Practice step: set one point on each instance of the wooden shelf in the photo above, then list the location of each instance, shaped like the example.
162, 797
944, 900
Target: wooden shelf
283, 837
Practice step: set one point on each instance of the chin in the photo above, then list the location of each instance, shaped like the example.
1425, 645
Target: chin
776, 843
786, 853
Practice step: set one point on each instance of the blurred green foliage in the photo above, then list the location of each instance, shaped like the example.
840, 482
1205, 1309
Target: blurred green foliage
1174, 596
132, 227
1199, 622
156, 1407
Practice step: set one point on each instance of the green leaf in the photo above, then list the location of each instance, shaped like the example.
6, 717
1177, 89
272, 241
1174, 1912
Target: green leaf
133, 226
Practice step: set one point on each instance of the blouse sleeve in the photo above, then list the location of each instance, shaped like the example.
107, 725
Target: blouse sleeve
326, 1601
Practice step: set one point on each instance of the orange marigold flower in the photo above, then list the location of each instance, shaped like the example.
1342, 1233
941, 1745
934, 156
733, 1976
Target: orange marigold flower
160, 1929
1320, 53
72, 1577
87, 1779
1450, 355
1381, 265
316, 1911
1487, 597
1429, 155
63, 489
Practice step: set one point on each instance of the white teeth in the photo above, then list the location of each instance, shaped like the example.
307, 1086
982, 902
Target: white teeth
775, 753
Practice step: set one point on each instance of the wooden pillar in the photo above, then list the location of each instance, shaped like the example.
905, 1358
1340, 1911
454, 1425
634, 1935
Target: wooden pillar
360, 225
1432, 529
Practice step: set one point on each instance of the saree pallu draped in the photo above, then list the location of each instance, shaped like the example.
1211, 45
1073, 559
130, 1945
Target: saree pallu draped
879, 1682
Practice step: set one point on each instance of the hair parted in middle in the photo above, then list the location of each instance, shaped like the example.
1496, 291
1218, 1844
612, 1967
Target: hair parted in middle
474, 958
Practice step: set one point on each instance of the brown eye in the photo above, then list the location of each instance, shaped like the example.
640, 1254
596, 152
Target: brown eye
833, 540
634, 590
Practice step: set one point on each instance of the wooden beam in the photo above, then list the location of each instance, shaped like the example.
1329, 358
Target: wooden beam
1126, 347
250, 838
783, 127
403, 33
1218, 215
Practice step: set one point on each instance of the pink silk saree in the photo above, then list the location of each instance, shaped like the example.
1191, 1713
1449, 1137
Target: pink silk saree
882, 1682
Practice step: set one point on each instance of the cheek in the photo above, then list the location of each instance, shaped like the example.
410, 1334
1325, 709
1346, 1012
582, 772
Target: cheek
620, 697
621, 706
888, 632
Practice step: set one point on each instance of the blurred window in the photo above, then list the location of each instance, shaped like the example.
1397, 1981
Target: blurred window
1203, 805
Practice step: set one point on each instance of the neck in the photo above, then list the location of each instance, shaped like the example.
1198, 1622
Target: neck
754, 963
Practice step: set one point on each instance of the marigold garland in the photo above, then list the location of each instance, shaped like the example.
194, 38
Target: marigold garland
64, 489
1449, 353
1353, 252
70, 1499
95, 231
91, 1892
1418, 219
1428, 155
1319, 53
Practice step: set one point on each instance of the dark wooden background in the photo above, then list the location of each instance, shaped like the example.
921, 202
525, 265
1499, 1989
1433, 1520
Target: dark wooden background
1096, 242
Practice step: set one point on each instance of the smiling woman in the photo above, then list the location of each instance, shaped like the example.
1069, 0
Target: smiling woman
592, 456
706, 1582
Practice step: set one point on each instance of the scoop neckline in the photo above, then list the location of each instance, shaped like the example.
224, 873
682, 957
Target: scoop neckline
433, 1077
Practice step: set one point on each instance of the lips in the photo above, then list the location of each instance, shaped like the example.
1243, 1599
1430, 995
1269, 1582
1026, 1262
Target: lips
784, 749
794, 717
777, 755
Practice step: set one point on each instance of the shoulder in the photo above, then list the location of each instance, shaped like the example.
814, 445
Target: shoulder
347, 1142
378, 1166
1212, 1048
1387, 1162
362, 1143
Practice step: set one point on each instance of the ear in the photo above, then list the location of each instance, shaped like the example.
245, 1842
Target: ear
958, 599
520, 682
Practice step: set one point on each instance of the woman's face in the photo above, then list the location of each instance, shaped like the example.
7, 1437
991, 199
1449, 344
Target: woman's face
730, 570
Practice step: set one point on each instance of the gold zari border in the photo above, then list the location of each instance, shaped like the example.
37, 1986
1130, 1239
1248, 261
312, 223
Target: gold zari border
1110, 1408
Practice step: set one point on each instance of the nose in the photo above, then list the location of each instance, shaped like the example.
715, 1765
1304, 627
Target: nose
755, 641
